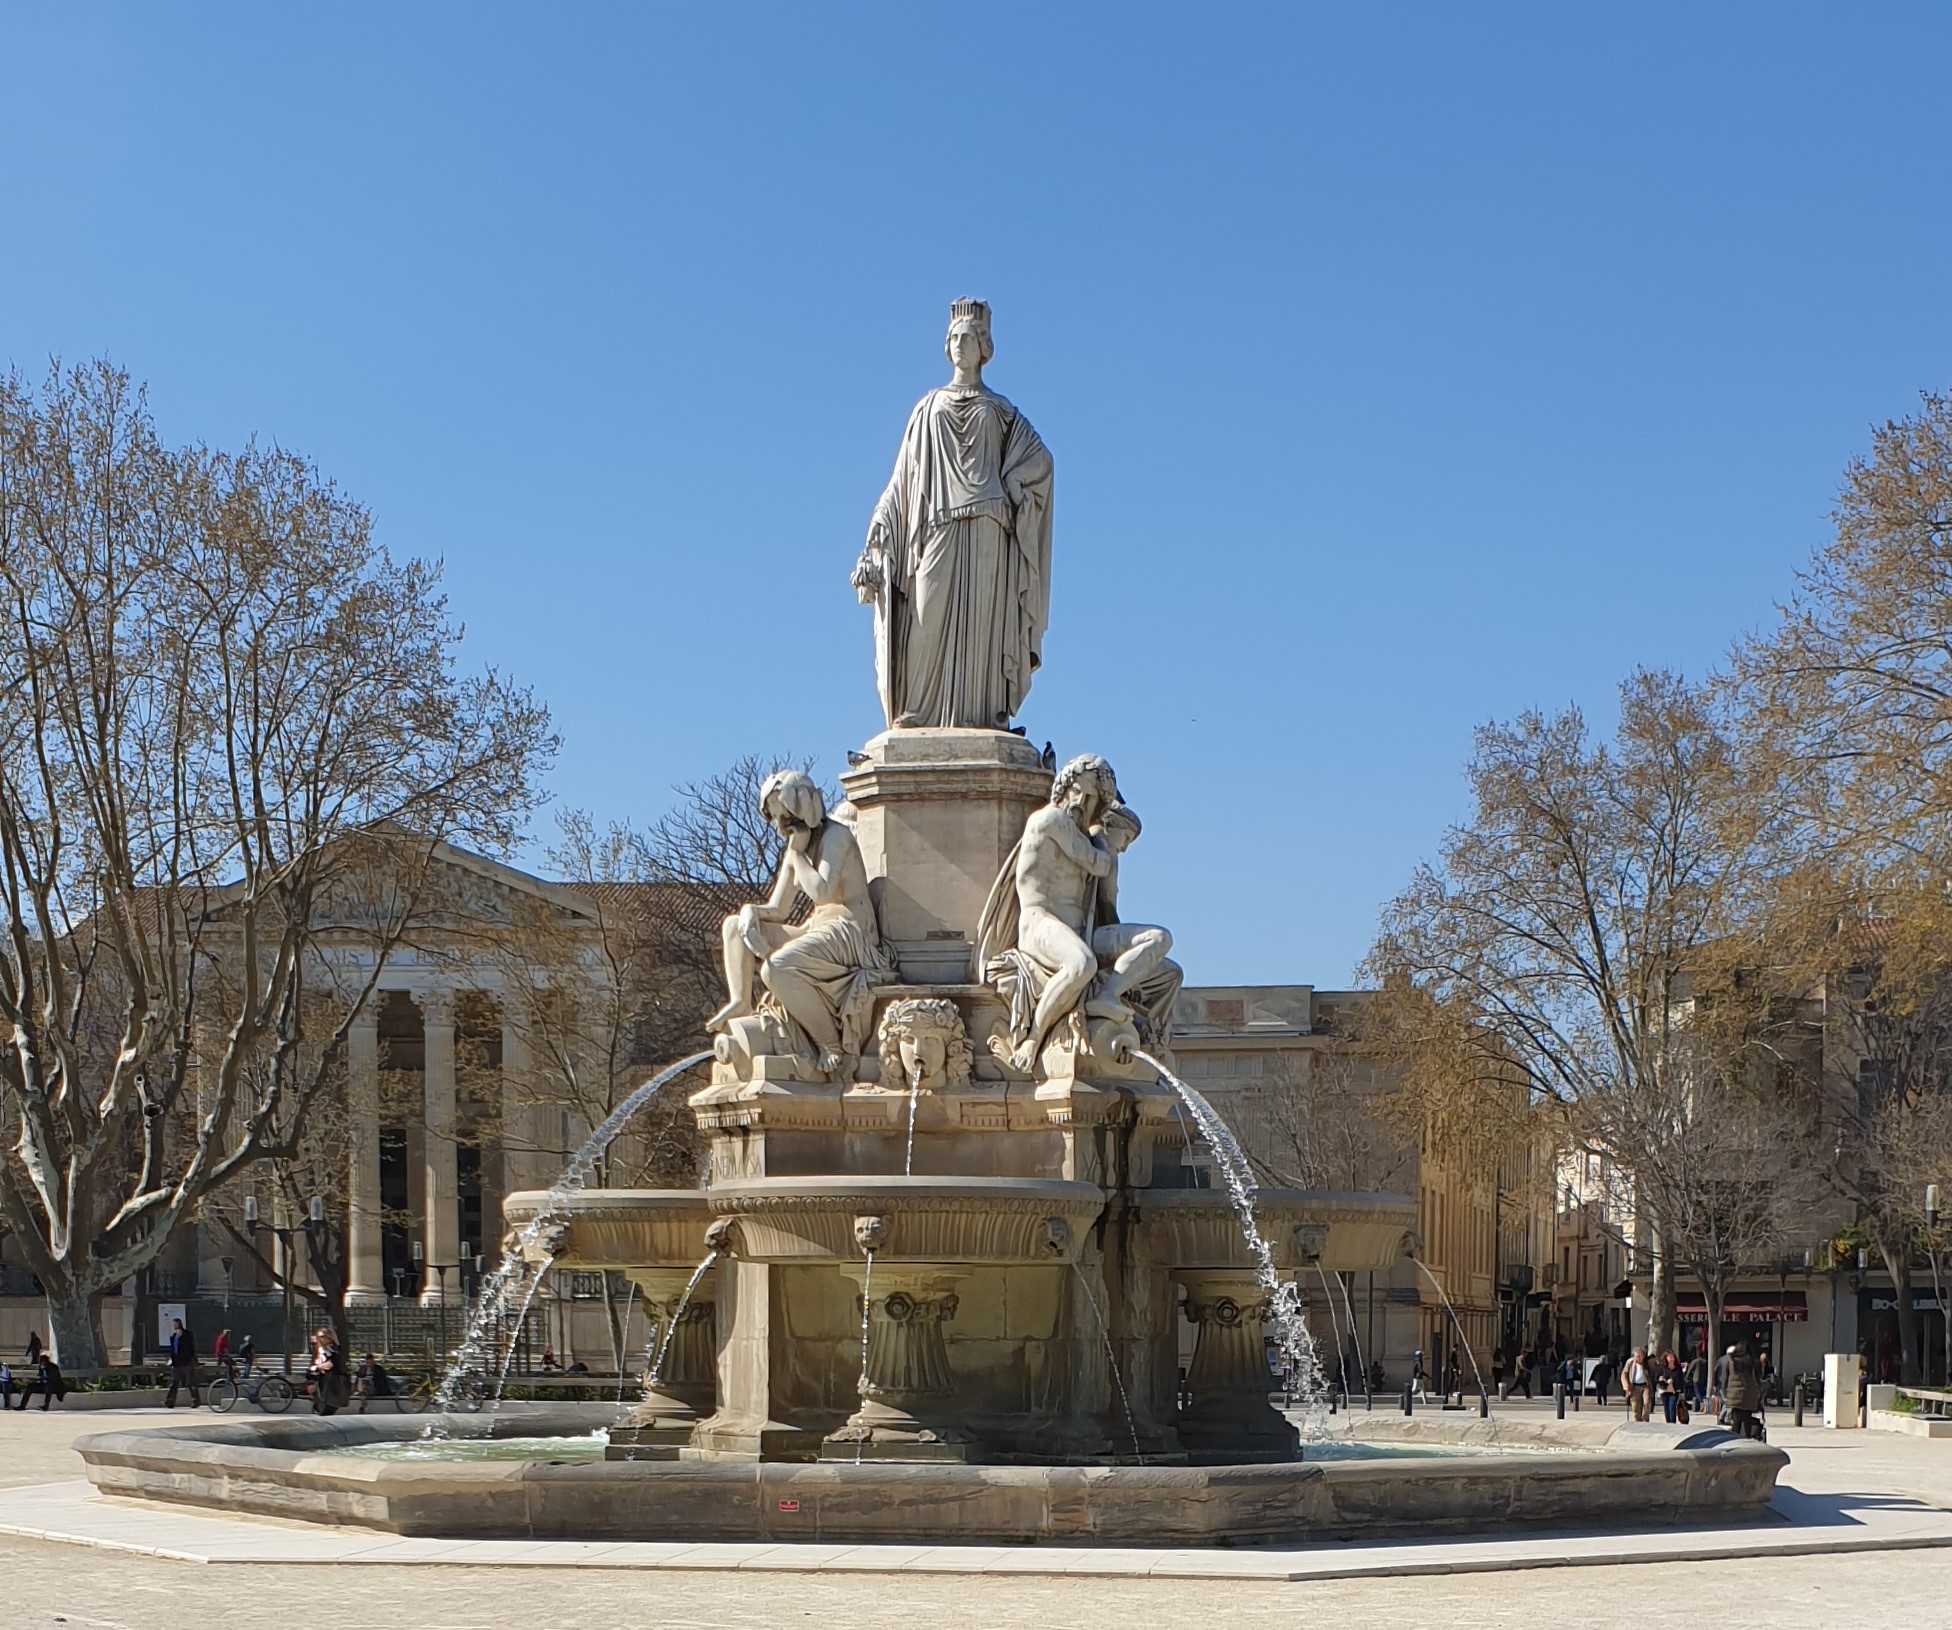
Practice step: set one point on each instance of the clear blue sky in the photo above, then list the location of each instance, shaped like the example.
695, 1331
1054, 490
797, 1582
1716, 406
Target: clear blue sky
1404, 365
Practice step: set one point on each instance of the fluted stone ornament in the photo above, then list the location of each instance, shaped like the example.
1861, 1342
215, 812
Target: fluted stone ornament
957, 563
1051, 941
1229, 1416
907, 1389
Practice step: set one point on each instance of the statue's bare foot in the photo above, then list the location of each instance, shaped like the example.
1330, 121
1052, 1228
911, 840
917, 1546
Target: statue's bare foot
725, 1015
1025, 1058
831, 1059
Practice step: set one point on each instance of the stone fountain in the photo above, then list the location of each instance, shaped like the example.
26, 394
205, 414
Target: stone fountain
926, 1106
938, 1284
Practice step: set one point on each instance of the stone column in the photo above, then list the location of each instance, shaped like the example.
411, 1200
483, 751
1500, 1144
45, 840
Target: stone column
365, 1283
1230, 1416
518, 1118
908, 1392
441, 1234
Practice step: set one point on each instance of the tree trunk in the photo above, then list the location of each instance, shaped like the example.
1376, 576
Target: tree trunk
1712, 1299
74, 1328
1660, 1299
1899, 1262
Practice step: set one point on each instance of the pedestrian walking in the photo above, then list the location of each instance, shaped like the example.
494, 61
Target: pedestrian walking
1668, 1384
1640, 1384
1522, 1378
1742, 1393
1602, 1379
1498, 1372
220, 1354
6, 1384
182, 1365
247, 1355
331, 1387
1698, 1381
34, 1346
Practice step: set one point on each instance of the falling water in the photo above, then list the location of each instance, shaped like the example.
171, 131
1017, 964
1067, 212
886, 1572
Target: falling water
914, 1094
1437, 1285
1355, 1341
867, 1302
1111, 1359
470, 1358
1284, 1303
684, 1301
1335, 1325
521, 1318
623, 1346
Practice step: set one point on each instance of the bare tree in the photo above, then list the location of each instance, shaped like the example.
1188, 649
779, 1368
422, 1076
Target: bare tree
220, 695
1879, 972
1556, 937
1851, 696
1722, 1163
625, 983
1319, 1121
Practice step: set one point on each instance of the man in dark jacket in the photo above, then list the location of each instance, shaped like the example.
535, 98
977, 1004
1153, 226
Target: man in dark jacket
182, 1365
47, 1382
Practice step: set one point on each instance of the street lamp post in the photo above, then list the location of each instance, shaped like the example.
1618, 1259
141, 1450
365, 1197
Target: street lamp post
285, 1233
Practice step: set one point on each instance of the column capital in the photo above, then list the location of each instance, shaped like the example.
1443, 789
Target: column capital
367, 1019
436, 1006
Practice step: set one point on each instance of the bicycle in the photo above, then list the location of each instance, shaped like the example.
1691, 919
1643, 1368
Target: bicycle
271, 1393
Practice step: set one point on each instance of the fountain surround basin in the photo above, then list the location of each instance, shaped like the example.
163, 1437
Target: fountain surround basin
1639, 1476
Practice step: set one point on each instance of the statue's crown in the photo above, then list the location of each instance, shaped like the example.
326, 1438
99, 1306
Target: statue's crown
978, 310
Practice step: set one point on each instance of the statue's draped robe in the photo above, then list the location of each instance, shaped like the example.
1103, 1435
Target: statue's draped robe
966, 575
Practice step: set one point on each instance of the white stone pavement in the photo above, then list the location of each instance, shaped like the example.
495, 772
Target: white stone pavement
1800, 1524
1844, 1493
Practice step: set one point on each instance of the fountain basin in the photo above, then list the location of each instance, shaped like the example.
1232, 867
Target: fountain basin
276, 1468
962, 1220
616, 1228
1351, 1232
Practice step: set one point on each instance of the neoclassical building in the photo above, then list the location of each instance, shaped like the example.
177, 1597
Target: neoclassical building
465, 1081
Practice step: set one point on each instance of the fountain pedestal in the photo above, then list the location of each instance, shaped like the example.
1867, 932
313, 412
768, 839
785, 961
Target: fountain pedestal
1230, 1418
685, 1385
908, 1392
937, 811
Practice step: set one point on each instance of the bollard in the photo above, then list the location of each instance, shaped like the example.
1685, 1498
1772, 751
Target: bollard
1797, 1400
1484, 1406
1559, 1397
1407, 1407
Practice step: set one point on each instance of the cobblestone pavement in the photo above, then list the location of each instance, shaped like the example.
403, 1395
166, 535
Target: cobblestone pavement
44, 1585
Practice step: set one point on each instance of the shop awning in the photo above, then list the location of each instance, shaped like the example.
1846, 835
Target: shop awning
1788, 1306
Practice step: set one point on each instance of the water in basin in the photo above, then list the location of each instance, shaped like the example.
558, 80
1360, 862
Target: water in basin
590, 1445
587, 1447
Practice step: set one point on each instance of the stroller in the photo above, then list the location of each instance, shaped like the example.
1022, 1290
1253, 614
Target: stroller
1748, 1422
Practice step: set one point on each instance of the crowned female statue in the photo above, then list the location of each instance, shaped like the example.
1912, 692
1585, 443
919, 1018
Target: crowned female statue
958, 558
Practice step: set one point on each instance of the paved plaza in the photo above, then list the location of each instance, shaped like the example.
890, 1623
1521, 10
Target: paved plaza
1841, 1490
